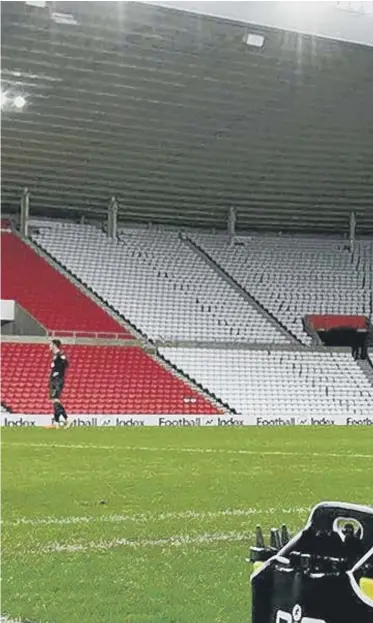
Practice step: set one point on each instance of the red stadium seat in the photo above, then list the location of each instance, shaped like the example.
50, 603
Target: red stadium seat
47, 295
100, 379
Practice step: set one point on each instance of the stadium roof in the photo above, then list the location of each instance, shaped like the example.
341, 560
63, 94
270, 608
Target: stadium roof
180, 118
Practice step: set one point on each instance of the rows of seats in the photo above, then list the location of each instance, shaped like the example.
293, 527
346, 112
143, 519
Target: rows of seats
158, 283
292, 277
100, 380
47, 295
279, 383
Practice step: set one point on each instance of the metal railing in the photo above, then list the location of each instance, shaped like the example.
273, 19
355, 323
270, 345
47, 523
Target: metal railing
96, 335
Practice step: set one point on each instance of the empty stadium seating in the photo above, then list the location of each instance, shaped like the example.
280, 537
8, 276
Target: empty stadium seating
47, 295
279, 383
295, 276
157, 282
100, 380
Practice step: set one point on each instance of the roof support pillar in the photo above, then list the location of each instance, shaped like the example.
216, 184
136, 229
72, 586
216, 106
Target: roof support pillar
112, 218
352, 231
231, 224
24, 212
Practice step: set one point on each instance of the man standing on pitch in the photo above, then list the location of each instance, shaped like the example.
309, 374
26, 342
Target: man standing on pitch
57, 379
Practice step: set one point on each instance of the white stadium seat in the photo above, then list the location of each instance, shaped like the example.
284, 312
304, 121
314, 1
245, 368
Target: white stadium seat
279, 383
295, 276
170, 292
158, 283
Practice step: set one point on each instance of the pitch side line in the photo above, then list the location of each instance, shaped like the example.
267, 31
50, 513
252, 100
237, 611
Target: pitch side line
190, 450
150, 517
172, 541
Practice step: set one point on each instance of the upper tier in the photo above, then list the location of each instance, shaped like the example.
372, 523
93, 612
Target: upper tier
159, 283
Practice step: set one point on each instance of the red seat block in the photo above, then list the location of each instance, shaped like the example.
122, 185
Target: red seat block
47, 295
100, 380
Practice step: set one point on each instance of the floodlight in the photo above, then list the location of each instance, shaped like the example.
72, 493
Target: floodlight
19, 101
254, 40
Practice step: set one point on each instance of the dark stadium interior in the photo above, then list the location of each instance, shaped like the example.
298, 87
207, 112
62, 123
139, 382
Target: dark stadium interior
177, 117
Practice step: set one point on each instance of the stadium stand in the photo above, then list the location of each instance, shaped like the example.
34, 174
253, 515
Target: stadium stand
161, 284
103, 380
47, 295
279, 383
295, 276
157, 282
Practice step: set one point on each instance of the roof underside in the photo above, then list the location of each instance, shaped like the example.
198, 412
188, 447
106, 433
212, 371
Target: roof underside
179, 119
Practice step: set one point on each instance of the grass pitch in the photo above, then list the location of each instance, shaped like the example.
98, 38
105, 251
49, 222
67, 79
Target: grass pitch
153, 525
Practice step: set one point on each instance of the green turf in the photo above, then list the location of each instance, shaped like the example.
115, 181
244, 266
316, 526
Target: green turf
151, 481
